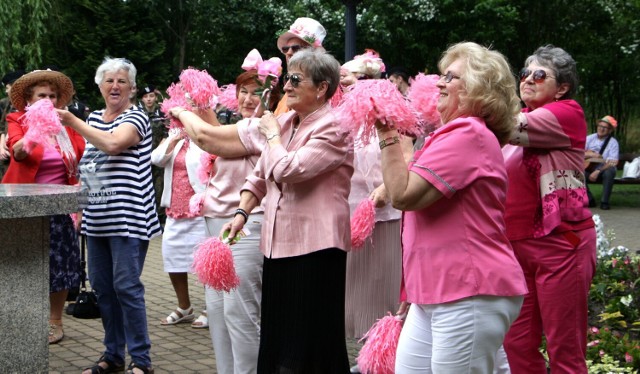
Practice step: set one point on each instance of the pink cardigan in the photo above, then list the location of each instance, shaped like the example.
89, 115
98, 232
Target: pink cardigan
305, 183
553, 137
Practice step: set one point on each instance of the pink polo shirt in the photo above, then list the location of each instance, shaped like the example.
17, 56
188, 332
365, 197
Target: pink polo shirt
305, 184
457, 247
229, 174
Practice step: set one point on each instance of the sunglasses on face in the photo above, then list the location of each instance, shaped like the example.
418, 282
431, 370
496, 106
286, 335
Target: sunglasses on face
295, 79
449, 77
294, 48
538, 75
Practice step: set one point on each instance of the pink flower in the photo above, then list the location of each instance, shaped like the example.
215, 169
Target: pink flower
595, 330
627, 260
593, 343
628, 357
601, 353
272, 67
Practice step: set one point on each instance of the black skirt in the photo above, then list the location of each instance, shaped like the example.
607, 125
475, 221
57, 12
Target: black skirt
302, 329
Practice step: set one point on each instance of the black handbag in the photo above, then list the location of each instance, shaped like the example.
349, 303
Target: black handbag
86, 306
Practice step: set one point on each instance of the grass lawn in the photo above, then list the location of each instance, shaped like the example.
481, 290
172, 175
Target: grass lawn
623, 195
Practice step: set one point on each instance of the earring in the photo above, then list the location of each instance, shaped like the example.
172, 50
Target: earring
317, 97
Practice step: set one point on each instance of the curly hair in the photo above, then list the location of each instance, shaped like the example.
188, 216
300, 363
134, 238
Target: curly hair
489, 86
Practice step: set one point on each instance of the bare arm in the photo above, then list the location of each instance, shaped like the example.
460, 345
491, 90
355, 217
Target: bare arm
111, 143
204, 129
379, 195
248, 201
408, 191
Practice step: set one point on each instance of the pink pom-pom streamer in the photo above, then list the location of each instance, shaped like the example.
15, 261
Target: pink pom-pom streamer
42, 122
228, 97
206, 163
362, 223
176, 99
213, 264
196, 202
336, 99
423, 95
371, 100
202, 88
378, 355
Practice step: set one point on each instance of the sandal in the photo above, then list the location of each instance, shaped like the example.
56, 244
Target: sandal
111, 367
202, 322
144, 369
179, 316
56, 333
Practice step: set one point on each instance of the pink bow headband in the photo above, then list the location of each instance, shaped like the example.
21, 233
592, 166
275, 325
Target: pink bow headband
271, 67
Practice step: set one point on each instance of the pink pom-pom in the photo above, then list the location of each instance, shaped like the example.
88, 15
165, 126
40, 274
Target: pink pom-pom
42, 122
176, 99
372, 100
196, 202
362, 223
213, 264
423, 95
202, 88
336, 99
378, 355
228, 97
205, 168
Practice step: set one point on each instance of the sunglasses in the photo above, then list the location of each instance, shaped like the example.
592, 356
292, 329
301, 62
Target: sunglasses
449, 77
295, 79
538, 75
294, 48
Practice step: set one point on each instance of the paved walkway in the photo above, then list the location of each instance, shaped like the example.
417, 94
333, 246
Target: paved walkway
182, 349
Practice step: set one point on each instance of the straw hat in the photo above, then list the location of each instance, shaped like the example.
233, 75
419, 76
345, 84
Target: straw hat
610, 120
62, 82
307, 29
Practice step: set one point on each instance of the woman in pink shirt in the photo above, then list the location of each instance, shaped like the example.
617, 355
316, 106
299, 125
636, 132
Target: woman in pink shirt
459, 271
303, 181
53, 164
549, 226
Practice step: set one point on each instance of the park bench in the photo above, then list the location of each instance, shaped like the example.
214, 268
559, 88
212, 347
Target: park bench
624, 157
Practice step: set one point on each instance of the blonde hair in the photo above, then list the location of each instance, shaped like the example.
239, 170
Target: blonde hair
490, 86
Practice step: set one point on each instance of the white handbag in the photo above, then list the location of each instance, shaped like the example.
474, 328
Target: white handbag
632, 169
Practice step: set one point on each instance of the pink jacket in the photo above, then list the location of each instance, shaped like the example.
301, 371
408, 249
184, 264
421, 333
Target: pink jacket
306, 184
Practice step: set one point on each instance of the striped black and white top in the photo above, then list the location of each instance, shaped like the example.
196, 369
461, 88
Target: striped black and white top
119, 189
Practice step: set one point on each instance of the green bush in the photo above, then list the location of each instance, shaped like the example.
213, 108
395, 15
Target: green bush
614, 335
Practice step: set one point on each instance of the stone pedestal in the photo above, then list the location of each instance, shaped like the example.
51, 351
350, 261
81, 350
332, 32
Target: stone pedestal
24, 271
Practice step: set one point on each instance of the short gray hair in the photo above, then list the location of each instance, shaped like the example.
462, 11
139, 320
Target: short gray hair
320, 65
562, 64
113, 65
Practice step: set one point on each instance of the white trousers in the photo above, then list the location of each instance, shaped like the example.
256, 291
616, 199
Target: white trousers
234, 317
457, 337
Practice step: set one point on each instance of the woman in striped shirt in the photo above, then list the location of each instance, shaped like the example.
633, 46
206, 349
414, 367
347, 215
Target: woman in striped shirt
120, 217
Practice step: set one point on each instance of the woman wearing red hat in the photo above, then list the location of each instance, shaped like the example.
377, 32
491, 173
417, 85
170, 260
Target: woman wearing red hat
57, 164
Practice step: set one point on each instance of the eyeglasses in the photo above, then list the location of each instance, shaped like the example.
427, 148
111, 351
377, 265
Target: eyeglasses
603, 127
538, 75
449, 77
294, 48
295, 79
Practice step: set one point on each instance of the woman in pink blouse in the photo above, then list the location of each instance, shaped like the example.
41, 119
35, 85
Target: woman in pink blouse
184, 229
303, 181
459, 271
548, 224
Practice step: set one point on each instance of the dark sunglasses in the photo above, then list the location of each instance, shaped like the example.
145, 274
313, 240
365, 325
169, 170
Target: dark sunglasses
294, 48
538, 75
294, 79
449, 77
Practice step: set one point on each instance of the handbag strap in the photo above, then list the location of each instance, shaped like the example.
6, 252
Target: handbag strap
83, 261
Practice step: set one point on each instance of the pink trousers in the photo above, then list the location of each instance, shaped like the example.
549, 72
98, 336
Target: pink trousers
558, 269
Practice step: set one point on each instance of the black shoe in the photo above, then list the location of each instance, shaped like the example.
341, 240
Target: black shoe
605, 206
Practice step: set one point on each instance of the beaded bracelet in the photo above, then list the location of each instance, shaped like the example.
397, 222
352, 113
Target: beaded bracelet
243, 213
389, 141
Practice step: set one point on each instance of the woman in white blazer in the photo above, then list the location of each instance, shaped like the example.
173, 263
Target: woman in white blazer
184, 229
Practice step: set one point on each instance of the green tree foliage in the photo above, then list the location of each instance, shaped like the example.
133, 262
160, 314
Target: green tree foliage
163, 37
